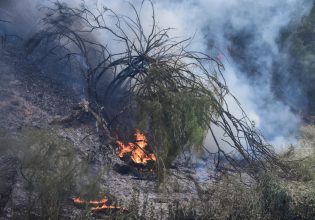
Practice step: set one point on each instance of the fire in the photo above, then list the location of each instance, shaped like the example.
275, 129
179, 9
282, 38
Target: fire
97, 205
137, 149
104, 206
78, 200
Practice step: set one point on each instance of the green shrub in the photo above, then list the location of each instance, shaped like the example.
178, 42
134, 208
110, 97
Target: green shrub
49, 167
275, 198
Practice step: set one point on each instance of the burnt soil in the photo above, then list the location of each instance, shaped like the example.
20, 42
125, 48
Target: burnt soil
30, 98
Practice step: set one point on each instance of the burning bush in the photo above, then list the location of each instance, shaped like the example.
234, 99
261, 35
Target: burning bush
137, 149
174, 94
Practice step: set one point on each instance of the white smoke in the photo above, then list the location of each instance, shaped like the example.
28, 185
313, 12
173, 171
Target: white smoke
219, 22
214, 25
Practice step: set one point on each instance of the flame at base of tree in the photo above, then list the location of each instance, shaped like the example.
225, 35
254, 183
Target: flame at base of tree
136, 149
163, 77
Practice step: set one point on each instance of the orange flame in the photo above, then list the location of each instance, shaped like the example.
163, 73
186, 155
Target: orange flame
78, 200
137, 149
104, 206
98, 204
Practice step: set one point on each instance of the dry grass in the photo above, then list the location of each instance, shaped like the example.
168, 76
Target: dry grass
48, 163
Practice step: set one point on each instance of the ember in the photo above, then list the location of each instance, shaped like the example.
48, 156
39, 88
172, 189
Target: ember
136, 149
97, 205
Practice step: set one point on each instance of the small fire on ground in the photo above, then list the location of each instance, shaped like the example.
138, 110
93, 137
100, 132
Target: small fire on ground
136, 149
96, 205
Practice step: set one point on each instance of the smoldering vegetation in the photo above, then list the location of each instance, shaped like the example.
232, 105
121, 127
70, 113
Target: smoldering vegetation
128, 72
147, 71
246, 43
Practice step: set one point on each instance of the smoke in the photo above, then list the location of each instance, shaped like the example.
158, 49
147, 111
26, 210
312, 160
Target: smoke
243, 34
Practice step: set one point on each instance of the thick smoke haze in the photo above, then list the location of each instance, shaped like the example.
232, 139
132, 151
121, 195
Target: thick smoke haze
243, 34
